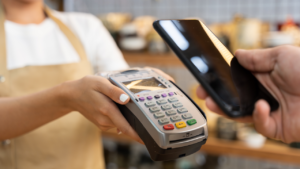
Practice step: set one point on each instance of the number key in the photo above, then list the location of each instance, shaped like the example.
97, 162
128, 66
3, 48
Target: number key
154, 109
163, 120
182, 110
150, 104
176, 105
175, 118
159, 115
173, 99
166, 107
187, 116
170, 112
160, 102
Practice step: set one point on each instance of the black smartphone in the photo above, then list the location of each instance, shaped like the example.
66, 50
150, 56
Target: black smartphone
232, 87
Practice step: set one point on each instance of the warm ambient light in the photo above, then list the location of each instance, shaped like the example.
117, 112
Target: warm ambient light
129, 86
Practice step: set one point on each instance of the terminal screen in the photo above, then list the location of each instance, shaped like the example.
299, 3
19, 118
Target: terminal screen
144, 85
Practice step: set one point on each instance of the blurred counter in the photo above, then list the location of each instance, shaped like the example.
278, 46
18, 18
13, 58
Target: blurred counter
271, 151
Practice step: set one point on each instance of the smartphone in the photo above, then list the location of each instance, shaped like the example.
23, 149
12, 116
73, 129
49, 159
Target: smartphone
231, 86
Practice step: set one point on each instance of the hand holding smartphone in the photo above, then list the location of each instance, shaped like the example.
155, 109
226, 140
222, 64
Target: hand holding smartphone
232, 87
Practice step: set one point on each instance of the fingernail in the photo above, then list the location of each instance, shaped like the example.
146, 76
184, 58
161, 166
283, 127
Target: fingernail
120, 132
123, 97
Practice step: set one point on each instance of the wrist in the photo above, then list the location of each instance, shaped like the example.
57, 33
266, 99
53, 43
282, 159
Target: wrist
63, 96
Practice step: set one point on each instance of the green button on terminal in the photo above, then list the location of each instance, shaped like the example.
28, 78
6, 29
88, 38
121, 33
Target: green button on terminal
191, 122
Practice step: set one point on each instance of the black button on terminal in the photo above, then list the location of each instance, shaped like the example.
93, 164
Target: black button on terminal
157, 96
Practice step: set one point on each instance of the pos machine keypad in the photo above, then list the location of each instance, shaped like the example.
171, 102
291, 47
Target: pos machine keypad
170, 110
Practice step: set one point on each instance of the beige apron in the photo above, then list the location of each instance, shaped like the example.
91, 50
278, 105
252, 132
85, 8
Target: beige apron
70, 142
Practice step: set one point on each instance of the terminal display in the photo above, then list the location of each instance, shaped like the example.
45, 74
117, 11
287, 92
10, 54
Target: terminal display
144, 85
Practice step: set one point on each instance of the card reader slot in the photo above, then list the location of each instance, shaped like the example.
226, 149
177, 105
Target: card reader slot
184, 139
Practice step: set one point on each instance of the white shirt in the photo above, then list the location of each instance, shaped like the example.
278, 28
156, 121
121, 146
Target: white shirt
45, 44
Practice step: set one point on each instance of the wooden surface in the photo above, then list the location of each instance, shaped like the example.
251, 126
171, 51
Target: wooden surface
271, 151
168, 59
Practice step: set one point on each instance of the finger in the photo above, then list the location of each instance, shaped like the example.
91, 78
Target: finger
163, 74
100, 119
105, 121
258, 60
102, 128
263, 122
105, 87
119, 131
201, 93
121, 123
210, 104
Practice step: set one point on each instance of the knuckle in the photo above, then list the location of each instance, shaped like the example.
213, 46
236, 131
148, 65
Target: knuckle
105, 110
86, 78
283, 47
105, 123
98, 82
280, 49
112, 91
125, 130
101, 81
252, 60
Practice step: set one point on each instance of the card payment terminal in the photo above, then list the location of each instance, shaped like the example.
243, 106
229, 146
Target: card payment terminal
166, 119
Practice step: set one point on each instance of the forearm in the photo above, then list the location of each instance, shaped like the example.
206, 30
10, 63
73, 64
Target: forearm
19, 115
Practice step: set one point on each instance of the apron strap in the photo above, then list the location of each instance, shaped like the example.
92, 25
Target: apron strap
2, 40
4, 82
4, 72
73, 39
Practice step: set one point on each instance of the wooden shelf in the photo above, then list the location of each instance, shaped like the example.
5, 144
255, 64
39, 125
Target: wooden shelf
271, 151
168, 59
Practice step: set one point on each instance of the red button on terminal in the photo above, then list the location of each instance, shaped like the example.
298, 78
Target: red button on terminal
168, 127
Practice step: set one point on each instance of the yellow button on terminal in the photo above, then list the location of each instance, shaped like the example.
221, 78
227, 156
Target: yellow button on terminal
180, 124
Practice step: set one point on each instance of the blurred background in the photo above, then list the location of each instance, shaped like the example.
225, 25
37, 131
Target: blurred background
246, 24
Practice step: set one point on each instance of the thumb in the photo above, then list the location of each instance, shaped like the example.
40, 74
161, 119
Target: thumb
113, 92
264, 123
258, 60
117, 95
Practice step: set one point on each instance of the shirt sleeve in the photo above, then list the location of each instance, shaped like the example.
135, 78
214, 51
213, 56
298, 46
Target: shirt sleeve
103, 52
